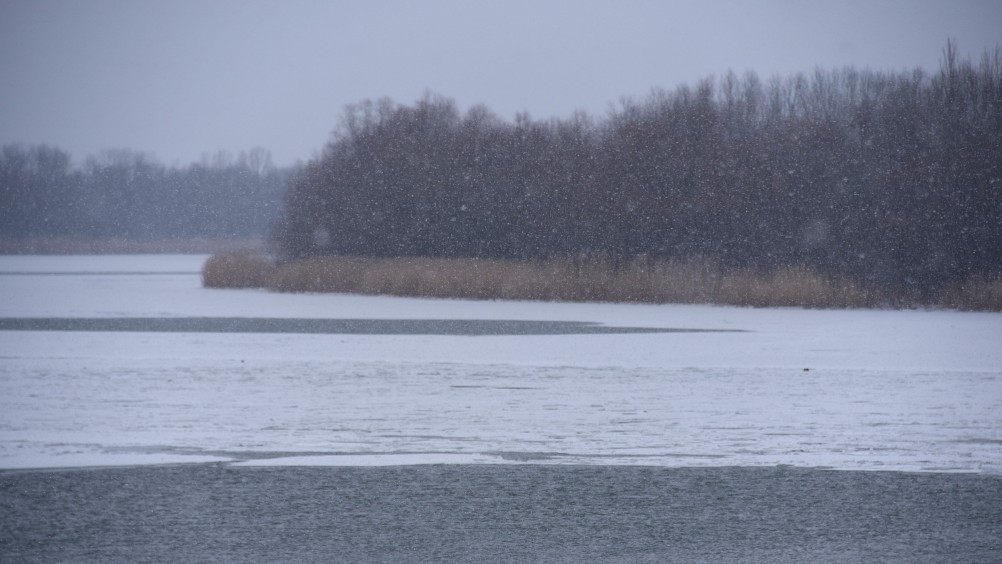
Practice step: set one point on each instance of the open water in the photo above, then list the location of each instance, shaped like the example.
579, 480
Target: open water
502, 513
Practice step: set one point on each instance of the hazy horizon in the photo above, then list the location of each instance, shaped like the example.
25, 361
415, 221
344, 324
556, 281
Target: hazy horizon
184, 79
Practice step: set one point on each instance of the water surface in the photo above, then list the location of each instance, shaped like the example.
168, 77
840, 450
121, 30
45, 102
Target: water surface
491, 513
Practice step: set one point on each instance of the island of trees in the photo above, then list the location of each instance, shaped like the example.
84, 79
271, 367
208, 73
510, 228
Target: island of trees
838, 187
890, 182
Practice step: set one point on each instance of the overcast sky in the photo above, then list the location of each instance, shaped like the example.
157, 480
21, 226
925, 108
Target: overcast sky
183, 78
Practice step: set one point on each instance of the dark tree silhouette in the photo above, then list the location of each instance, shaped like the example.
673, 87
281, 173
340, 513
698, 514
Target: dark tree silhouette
891, 179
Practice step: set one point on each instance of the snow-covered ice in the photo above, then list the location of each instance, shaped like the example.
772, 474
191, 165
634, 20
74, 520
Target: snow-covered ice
871, 390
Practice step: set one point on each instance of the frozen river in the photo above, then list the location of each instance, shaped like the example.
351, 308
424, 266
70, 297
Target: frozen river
126, 360
144, 418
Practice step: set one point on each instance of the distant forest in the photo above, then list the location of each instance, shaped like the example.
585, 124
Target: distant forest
893, 179
129, 195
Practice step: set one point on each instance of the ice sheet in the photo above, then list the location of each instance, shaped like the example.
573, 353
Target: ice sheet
902, 390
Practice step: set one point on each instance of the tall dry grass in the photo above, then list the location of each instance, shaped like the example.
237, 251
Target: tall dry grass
584, 279
977, 293
237, 270
789, 287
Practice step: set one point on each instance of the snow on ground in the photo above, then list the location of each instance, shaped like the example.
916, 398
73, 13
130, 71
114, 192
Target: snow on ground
895, 390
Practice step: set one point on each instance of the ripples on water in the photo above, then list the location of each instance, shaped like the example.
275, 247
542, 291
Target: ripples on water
498, 514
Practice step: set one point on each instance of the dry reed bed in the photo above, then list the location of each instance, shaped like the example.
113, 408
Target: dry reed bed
237, 270
691, 281
975, 294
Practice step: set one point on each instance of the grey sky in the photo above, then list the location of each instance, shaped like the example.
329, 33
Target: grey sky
187, 77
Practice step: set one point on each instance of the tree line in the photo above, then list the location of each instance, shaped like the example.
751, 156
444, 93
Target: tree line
888, 178
127, 194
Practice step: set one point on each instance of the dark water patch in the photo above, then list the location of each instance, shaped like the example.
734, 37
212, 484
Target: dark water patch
471, 327
517, 456
477, 386
101, 273
981, 441
497, 514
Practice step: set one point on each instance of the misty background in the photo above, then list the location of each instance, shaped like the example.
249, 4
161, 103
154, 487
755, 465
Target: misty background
187, 78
